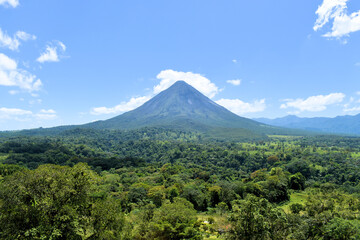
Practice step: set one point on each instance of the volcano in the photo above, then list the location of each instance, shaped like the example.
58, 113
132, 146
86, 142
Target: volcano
183, 107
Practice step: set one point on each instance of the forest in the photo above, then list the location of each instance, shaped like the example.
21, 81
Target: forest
161, 184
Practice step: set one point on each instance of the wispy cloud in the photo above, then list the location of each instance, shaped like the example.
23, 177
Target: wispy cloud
236, 82
12, 76
9, 3
239, 107
342, 23
11, 113
353, 109
51, 54
13, 92
26, 115
352, 105
122, 107
13, 43
46, 114
314, 103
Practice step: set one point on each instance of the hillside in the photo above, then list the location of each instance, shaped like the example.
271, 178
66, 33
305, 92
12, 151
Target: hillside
339, 124
183, 107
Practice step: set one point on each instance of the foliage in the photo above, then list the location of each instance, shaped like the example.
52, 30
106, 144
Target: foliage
152, 183
256, 218
54, 202
175, 220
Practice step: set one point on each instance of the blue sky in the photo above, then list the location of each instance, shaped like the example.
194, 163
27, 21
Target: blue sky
71, 62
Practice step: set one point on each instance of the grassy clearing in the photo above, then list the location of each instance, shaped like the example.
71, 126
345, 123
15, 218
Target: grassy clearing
296, 197
286, 137
211, 229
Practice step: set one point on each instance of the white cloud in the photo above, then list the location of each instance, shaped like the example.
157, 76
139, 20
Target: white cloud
51, 53
239, 107
314, 103
9, 3
26, 115
336, 10
46, 114
12, 76
9, 113
13, 43
352, 105
7, 63
62, 45
49, 111
234, 61
24, 36
234, 82
329, 9
353, 109
201, 83
122, 107
42, 116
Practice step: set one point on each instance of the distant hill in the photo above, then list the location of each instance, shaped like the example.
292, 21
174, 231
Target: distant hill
339, 125
181, 107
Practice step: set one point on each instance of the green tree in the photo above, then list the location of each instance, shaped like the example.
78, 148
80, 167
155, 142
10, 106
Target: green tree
175, 221
255, 218
340, 229
54, 202
297, 181
296, 208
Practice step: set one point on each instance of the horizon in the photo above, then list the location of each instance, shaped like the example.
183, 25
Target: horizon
102, 60
177, 82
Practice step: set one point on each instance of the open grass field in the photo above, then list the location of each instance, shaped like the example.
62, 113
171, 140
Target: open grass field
285, 137
296, 197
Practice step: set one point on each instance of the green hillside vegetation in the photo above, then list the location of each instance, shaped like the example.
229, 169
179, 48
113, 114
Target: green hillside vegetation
87, 185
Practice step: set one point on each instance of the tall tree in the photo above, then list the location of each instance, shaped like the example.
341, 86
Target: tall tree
54, 202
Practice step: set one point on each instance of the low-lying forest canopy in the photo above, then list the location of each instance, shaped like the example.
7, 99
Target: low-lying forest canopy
157, 184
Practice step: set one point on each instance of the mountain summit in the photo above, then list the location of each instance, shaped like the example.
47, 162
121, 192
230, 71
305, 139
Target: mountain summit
183, 107
178, 104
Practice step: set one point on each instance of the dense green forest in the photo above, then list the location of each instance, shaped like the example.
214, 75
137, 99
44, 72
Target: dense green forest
161, 184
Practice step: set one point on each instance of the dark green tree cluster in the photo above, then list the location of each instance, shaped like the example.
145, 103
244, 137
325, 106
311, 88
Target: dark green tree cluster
54, 202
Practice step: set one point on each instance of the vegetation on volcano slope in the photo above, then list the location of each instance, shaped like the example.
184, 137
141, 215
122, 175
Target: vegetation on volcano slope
112, 187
